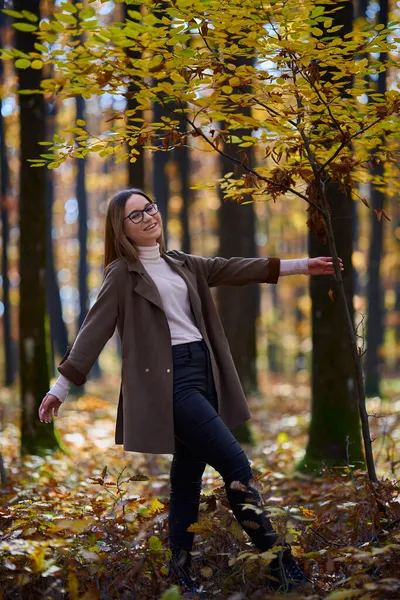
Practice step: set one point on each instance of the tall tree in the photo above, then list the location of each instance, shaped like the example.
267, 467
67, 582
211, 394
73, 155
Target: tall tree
375, 291
59, 334
239, 306
334, 434
82, 200
135, 169
182, 157
8, 343
33, 324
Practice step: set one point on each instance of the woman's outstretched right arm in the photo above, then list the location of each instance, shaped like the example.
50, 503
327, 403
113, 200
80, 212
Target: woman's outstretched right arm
97, 328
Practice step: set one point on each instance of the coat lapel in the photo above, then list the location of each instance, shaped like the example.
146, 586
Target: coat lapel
143, 283
145, 286
176, 263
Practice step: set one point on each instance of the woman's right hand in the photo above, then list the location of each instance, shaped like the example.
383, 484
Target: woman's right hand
46, 408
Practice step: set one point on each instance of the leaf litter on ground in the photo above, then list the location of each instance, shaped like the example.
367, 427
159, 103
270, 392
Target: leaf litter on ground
92, 522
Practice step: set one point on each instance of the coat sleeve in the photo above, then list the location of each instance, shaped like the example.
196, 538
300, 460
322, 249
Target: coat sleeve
236, 270
97, 328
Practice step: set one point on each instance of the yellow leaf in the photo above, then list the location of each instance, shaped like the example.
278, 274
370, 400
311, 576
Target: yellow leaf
227, 89
177, 77
316, 31
37, 64
156, 505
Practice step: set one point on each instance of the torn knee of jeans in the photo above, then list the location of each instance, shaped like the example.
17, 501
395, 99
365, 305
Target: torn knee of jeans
238, 486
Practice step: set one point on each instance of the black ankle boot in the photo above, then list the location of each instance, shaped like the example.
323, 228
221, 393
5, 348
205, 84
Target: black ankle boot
179, 571
287, 571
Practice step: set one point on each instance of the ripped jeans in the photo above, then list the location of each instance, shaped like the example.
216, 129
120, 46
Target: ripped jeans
202, 437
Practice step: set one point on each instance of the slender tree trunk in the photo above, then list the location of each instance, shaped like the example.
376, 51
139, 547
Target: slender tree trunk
9, 345
274, 348
33, 323
135, 169
334, 434
375, 293
239, 306
182, 158
59, 334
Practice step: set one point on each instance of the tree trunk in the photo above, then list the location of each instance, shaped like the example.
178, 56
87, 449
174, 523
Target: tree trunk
334, 434
59, 334
9, 345
239, 306
36, 437
181, 155
135, 169
375, 293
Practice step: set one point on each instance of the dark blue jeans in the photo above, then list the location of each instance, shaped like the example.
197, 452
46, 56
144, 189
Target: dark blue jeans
202, 437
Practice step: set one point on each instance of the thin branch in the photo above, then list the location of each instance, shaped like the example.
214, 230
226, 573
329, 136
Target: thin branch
326, 104
239, 162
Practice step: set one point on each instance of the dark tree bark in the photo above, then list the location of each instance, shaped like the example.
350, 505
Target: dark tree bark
81, 196
334, 434
375, 292
59, 334
160, 177
239, 306
33, 324
273, 347
182, 158
136, 173
82, 200
396, 229
9, 345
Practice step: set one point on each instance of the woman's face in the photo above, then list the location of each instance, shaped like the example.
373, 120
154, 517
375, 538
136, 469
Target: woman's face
147, 231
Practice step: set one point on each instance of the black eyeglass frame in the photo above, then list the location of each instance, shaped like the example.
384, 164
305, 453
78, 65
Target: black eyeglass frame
144, 210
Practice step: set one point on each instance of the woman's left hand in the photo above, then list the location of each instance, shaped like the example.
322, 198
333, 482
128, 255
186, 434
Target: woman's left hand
323, 265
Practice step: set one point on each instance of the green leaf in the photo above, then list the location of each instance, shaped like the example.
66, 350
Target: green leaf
40, 47
24, 26
37, 64
22, 63
13, 13
30, 16
317, 11
67, 6
87, 13
65, 18
316, 31
135, 15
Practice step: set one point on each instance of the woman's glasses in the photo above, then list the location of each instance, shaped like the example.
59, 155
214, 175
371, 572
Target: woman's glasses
136, 216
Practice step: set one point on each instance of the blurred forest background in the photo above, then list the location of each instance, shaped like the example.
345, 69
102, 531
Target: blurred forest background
269, 327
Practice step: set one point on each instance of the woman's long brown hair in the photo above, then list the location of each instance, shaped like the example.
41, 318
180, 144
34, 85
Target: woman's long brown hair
116, 244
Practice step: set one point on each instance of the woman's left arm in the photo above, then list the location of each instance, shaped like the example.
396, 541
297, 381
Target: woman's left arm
243, 271
236, 270
322, 265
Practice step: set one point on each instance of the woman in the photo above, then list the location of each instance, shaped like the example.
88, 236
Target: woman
180, 392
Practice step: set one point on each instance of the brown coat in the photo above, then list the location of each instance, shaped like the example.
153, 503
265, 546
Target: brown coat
129, 300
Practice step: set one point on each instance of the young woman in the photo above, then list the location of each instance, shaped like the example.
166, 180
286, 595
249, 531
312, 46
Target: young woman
180, 393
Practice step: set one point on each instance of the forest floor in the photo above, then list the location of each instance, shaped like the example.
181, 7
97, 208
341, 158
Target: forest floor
91, 523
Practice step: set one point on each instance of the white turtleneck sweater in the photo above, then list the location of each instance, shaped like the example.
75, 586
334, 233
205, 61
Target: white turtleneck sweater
175, 299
